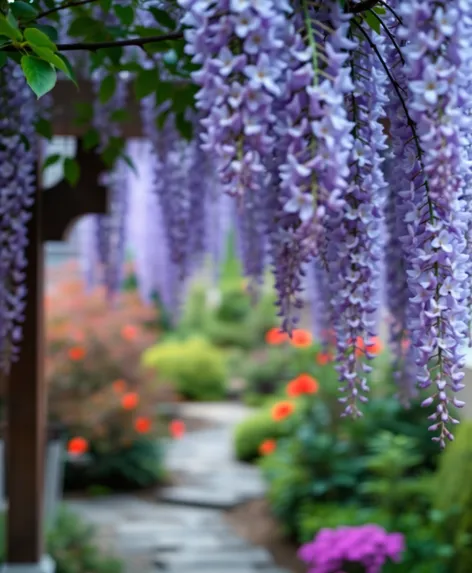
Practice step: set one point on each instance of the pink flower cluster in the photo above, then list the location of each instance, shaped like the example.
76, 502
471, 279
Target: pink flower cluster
334, 550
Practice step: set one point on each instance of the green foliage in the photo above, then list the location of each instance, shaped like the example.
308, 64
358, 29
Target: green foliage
453, 490
195, 366
72, 545
266, 375
137, 465
251, 432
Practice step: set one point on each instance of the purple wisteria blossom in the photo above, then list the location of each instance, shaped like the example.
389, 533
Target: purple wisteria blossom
359, 233
18, 156
335, 550
435, 53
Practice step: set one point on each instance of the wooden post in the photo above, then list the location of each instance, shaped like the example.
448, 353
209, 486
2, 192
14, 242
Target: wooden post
53, 211
26, 405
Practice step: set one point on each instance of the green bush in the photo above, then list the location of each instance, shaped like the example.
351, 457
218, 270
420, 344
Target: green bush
135, 466
454, 491
251, 432
195, 366
229, 334
267, 375
72, 545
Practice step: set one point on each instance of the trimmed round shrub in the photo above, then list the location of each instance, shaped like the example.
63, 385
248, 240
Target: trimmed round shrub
251, 432
194, 366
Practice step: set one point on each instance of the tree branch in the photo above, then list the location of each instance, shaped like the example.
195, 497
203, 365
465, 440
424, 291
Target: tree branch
94, 46
362, 6
63, 7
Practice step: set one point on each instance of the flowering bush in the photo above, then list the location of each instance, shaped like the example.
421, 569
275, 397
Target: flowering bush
98, 388
363, 549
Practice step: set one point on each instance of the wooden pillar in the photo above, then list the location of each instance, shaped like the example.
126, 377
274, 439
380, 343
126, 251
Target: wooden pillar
26, 414
54, 210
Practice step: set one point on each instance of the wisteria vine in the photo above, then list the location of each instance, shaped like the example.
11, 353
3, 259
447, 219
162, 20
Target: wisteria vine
341, 131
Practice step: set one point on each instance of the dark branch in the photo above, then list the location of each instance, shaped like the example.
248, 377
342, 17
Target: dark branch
63, 7
391, 10
94, 46
362, 6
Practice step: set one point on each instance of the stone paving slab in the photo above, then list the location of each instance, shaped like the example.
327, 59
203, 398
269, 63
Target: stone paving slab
253, 557
201, 497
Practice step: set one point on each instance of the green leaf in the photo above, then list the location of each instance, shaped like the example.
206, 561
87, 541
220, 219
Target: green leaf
3, 59
162, 18
125, 14
83, 113
90, 139
40, 75
145, 83
38, 38
9, 30
49, 56
50, 31
119, 115
372, 21
44, 128
70, 71
379, 10
184, 126
51, 160
71, 170
23, 10
107, 89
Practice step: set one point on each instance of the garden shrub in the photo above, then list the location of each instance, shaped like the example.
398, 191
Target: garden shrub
266, 374
93, 363
72, 545
136, 464
251, 432
195, 366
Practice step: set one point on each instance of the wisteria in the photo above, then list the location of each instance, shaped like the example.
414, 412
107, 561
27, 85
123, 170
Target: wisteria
334, 136
17, 184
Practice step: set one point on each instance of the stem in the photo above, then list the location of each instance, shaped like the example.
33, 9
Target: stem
93, 46
63, 7
311, 40
390, 35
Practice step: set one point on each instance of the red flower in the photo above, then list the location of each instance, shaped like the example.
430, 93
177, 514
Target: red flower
303, 384
323, 358
119, 386
129, 332
77, 446
275, 336
301, 338
142, 425
373, 348
130, 401
282, 410
267, 447
76, 353
177, 429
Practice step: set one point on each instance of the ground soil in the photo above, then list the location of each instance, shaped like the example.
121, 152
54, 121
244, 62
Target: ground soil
254, 522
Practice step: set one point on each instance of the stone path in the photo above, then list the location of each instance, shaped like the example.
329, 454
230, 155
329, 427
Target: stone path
183, 530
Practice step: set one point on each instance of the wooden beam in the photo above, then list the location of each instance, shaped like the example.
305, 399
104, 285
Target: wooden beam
63, 203
26, 402
66, 96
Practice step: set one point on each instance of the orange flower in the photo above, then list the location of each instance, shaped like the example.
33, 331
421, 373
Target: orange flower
301, 338
119, 386
130, 401
282, 410
77, 446
374, 347
267, 447
275, 336
76, 353
323, 358
303, 384
142, 425
129, 332
177, 429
